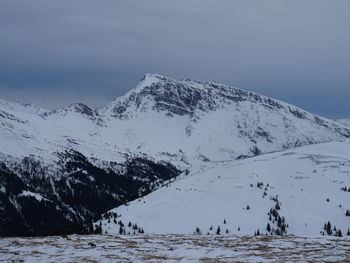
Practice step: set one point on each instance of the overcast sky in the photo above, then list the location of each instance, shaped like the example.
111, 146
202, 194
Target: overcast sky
53, 53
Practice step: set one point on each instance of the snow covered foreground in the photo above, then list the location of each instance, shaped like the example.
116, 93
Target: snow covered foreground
307, 187
173, 248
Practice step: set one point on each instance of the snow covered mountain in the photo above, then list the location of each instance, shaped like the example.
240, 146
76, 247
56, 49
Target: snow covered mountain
212, 121
345, 122
179, 121
72, 164
295, 192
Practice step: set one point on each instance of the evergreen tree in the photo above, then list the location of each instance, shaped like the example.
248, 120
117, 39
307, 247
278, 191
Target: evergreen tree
329, 228
339, 233
121, 230
283, 228
90, 228
98, 229
218, 230
279, 221
277, 206
268, 228
347, 213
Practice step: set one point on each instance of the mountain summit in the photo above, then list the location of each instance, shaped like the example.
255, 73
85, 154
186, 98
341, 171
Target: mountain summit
77, 162
180, 121
215, 120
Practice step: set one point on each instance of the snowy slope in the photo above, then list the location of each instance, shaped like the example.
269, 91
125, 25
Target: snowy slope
306, 183
345, 122
86, 161
210, 121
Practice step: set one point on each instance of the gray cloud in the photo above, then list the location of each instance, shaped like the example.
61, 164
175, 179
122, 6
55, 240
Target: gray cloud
93, 51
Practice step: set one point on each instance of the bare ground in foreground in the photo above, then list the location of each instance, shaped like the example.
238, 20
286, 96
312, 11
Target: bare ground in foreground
174, 248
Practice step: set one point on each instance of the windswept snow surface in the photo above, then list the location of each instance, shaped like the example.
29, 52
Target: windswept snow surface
237, 196
174, 248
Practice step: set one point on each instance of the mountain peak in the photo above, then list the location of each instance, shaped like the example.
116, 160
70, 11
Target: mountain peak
81, 108
148, 79
179, 97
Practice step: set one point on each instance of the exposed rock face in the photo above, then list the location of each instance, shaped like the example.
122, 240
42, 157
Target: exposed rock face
64, 166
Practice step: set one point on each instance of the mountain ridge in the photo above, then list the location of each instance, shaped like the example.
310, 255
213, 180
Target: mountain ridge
170, 127
159, 108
